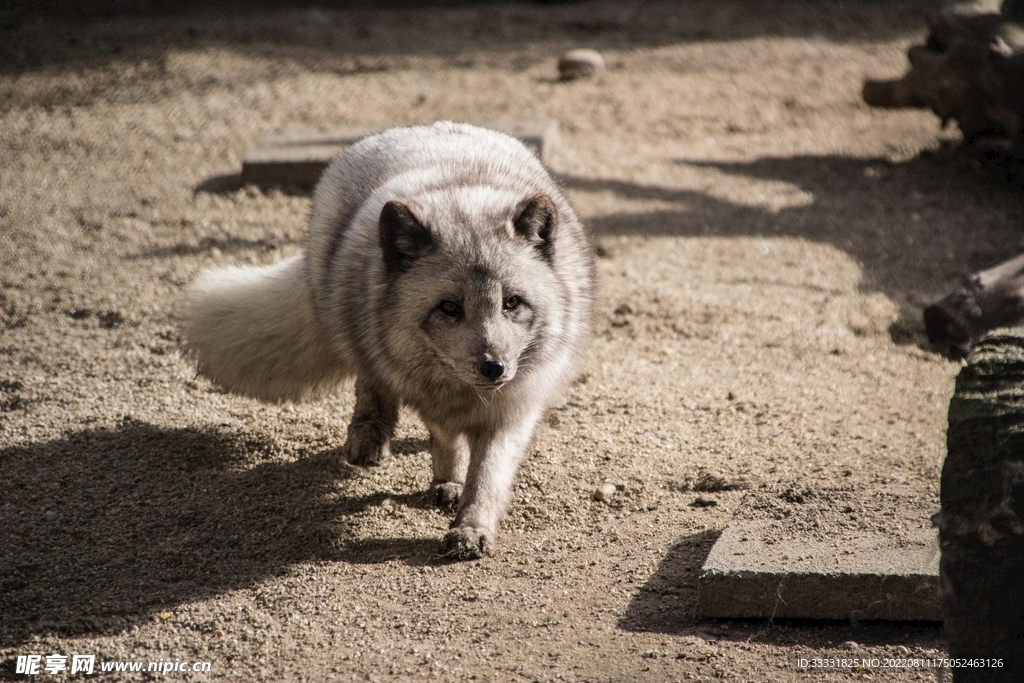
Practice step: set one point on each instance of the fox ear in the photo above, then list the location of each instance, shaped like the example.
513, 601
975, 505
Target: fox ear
535, 219
403, 237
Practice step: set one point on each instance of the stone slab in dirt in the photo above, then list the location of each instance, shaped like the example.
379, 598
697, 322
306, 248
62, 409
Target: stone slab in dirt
825, 555
297, 154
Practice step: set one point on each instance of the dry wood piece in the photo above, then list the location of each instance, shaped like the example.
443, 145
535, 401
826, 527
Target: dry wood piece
981, 523
991, 298
970, 70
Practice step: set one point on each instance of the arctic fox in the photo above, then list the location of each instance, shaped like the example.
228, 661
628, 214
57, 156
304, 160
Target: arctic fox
446, 271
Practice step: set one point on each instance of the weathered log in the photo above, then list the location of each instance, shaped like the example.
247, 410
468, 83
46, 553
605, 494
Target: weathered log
981, 522
990, 298
970, 70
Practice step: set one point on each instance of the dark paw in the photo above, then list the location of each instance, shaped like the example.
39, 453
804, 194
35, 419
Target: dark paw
445, 495
466, 543
366, 453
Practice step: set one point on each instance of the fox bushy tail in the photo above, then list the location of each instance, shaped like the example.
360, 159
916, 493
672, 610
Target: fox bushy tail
254, 332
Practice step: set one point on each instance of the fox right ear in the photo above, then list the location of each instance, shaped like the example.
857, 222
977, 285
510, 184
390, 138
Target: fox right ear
536, 219
403, 237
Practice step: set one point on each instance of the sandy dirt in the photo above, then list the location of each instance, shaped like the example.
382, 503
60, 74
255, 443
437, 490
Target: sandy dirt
766, 242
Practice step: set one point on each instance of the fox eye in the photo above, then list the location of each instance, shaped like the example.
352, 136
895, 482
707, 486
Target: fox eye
450, 308
512, 303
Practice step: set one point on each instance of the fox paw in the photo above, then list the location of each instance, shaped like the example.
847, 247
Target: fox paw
445, 494
365, 452
466, 543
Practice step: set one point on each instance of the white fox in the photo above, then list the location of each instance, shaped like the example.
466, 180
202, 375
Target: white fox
446, 271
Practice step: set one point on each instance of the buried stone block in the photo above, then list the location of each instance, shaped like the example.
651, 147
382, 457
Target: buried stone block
298, 155
832, 554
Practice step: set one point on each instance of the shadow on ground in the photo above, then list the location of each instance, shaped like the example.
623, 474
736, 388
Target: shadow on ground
128, 48
104, 528
219, 184
916, 227
667, 604
228, 245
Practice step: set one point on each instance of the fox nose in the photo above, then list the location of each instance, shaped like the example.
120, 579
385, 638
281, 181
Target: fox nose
492, 369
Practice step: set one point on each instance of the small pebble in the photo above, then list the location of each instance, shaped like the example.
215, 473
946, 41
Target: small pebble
604, 492
851, 645
580, 64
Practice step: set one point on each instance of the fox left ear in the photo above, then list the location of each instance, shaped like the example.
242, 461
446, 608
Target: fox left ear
403, 237
536, 219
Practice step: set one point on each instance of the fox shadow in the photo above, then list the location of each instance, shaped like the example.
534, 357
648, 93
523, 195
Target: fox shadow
916, 227
104, 528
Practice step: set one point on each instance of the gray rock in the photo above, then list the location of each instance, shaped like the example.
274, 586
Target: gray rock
604, 492
583, 63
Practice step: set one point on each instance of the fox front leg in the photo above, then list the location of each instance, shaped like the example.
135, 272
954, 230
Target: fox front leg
373, 425
494, 459
449, 454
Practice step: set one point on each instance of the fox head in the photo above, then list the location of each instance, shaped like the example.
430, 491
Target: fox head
470, 282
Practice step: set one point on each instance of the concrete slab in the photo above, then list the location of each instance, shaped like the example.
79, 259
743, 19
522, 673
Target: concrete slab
834, 554
298, 155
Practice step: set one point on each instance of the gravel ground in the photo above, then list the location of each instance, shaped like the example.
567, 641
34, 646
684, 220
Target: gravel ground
766, 244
